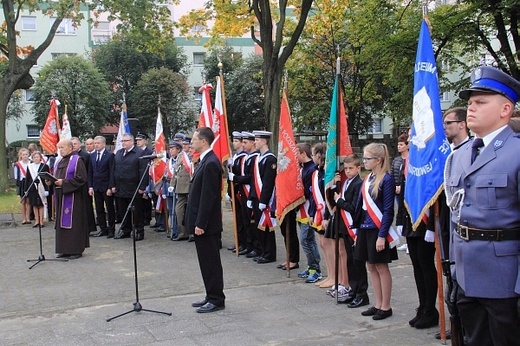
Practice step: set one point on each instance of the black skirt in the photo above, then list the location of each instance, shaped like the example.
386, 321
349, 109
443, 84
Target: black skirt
365, 249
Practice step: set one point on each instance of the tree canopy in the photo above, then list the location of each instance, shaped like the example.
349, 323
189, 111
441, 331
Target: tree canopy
77, 84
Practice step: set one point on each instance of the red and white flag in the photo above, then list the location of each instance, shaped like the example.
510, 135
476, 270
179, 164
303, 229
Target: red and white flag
219, 126
206, 113
66, 131
159, 166
288, 183
50, 134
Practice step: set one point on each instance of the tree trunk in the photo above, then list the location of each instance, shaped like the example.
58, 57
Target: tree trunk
4, 99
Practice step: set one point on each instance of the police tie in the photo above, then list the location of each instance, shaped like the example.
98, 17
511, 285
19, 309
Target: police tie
475, 148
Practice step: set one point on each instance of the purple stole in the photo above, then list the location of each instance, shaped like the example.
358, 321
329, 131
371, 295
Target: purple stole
68, 199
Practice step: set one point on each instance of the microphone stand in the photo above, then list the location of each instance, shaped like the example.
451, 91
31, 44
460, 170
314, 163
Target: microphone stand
137, 304
41, 257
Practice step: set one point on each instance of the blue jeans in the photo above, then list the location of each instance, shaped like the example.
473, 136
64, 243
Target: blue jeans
310, 246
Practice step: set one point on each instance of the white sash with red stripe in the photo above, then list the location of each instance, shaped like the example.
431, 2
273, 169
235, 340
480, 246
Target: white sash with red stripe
375, 214
186, 162
346, 216
265, 219
23, 172
319, 201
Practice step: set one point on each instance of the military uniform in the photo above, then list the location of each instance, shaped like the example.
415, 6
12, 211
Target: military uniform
485, 242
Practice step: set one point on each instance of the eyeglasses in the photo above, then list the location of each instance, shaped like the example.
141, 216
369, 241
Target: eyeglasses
125, 140
451, 122
369, 158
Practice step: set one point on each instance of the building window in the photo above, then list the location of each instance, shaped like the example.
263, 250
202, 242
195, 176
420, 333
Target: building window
445, 96
377, 126
55, 56
33, 131
28, 23
198, 59
67, 27
29, 95
196, 94
100, 39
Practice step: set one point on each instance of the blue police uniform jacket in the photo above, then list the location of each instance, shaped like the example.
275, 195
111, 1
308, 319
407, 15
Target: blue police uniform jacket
487, 269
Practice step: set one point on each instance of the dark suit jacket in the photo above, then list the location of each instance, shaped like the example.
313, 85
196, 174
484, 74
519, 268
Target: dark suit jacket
128, 170
204, 200
99, 175
85, 156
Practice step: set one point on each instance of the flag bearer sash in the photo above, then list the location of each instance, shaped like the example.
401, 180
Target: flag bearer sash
319, 201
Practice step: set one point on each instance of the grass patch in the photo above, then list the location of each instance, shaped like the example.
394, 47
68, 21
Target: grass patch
9, 202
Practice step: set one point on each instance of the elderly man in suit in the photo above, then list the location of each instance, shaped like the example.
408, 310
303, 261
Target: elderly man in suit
130, 175
101, 165
485, 244
204, 219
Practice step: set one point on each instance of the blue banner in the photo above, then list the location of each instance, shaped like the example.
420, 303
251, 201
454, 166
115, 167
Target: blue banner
429, 147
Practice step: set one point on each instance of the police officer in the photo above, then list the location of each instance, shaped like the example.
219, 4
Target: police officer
485, 244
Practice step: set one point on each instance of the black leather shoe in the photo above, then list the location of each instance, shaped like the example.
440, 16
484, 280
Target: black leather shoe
139, 236
263, 260
73, 257
100, 234
191, 238
209, 307
110, 235
382, 314
370, 312
62, 255
252, 254
160, 230
122, 235
244, 252
358, 301
199, 303
231, 248
179, 238
448, 335
154, 226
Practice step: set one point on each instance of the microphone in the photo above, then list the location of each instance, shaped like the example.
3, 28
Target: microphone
151, 157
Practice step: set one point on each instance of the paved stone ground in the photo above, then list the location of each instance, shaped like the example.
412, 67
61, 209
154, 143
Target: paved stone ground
67, 303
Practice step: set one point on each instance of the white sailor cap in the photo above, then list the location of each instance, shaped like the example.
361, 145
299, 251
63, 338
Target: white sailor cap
248, 135
262, 134
237, 134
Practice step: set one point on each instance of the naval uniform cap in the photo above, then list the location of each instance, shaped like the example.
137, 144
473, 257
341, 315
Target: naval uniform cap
186, 140
262, 134
248, 135
237, 134
179, 135
488, 79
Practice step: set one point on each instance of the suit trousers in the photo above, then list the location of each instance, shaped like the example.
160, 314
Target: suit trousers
180, 210
101, 199
266, 238
289, 222
357, 270
488, 321
422, 255
250, 227
134, 218
208, 253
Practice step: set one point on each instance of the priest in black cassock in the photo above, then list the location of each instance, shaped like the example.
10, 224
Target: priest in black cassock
72, 234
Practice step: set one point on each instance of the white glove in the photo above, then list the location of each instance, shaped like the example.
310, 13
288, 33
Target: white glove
429, 237
399, 230
230, 162
46, 193
149, 195
228, 197
230, 176
170, 189
163, 196
261, 206
249, 204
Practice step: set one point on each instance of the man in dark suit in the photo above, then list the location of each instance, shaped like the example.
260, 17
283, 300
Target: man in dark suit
204, 220
77, 148
485, 243
129, 174
101, 168
141, 140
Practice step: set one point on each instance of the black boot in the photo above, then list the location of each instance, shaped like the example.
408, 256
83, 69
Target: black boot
429, 318
417, 316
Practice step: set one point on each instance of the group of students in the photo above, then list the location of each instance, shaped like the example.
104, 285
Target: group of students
365, 215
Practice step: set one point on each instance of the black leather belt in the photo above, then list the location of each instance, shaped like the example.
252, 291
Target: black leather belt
471, 233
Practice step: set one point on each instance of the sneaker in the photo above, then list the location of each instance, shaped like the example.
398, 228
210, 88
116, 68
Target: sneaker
332, 291
313, 276
304, 274
403, 247
342, 292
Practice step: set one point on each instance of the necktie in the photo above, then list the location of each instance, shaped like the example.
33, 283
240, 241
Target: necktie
98, 156
124, 152
475, 148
